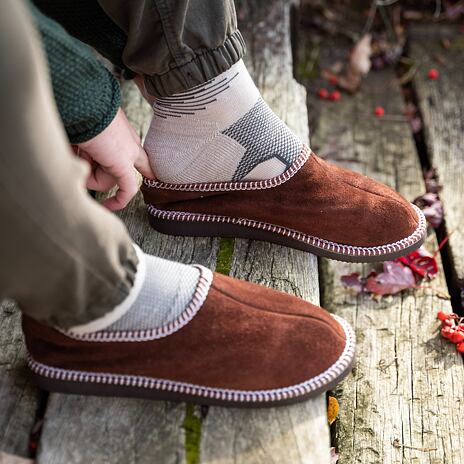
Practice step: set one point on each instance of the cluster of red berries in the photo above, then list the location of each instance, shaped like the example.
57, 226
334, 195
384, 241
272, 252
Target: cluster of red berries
332, 96
452, 328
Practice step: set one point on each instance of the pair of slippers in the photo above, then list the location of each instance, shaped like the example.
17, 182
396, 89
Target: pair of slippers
238, 343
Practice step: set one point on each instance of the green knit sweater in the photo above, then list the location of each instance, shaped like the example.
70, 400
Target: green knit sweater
86, 93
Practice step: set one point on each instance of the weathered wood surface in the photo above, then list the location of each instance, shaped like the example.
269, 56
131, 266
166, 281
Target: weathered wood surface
143, 431
404, 402
18, 398
296, 434
441, 103
81, 429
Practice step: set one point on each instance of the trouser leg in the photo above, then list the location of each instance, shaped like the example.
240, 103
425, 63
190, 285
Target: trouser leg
64, 258
174, 44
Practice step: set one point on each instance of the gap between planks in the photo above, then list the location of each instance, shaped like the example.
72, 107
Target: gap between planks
441, 104
404, 402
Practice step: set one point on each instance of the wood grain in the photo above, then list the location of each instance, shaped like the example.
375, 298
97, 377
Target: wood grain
441, 103
296, 434
404, 403
81, 429
18, 398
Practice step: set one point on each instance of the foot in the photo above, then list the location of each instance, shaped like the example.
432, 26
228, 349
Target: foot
220, 131
313, 206
226, 165
233, 344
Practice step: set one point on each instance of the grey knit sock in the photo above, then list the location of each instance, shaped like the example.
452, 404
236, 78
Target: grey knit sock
162, 291
219, 131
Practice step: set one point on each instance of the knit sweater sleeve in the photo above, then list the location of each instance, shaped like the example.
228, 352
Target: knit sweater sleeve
86, 93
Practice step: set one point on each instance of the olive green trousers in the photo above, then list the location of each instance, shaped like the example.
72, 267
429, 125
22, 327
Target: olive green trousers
174, 44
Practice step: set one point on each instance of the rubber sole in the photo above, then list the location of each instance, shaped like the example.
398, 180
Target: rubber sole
98, 389
212, 228
68, 381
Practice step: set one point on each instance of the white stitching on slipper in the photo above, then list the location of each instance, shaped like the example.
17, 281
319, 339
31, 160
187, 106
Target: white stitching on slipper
240, 185
349, 250
244, 396
198, 298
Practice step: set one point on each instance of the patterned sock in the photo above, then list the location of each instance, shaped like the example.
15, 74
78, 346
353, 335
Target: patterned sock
220, 131
162, 291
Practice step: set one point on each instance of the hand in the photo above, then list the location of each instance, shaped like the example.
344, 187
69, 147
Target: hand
113, 154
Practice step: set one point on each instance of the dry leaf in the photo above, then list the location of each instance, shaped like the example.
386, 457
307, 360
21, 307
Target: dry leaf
432, 207
332, 409
393, 279
360, 59
353, 281
359, 65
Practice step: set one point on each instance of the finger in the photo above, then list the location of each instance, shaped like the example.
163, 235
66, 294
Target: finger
142, 164
127, 189
100, 180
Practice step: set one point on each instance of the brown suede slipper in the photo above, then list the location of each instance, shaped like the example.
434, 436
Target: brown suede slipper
236, 344
314, 206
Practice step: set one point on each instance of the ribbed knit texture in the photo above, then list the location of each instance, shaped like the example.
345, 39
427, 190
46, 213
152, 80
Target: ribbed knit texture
86, 94
220, 131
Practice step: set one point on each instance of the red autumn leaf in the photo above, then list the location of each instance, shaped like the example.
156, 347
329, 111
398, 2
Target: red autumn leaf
394, 278
421, 262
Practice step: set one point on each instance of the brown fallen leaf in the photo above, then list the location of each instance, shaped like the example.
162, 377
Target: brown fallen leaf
360, 61
333, 409
359, 64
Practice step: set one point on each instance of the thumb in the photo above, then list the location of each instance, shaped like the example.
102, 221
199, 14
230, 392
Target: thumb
142, 164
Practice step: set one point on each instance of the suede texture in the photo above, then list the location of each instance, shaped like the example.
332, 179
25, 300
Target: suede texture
321, 200
245, 337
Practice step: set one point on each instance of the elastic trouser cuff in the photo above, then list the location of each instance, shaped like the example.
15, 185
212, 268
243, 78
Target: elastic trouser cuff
207, 65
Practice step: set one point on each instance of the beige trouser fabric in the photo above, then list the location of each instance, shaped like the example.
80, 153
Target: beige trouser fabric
64, 258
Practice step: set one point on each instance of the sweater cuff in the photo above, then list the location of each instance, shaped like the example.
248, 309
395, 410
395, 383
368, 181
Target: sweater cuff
80, 132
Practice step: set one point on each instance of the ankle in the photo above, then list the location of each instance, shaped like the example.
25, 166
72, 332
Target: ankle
122, 308
220, 131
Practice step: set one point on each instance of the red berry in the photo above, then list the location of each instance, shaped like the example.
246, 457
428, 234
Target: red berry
460, 347
323, 93
447, 322
333, 79
433, 74
335, 95
379, 111
446, 332
442, 315
457, 337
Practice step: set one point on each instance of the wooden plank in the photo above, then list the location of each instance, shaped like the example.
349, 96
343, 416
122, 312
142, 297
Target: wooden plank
441, 103
404, 402
109, 430
296, 434
18, 398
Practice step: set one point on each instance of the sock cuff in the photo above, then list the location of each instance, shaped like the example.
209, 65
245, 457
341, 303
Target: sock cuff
118, 311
